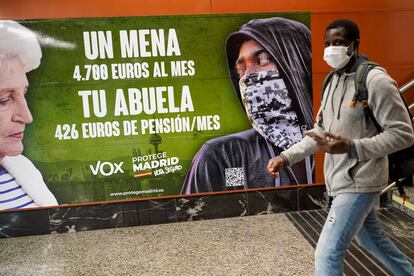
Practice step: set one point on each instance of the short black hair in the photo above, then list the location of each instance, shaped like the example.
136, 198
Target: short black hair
351, 28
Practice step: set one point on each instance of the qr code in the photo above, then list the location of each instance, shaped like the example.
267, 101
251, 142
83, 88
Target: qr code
235, 177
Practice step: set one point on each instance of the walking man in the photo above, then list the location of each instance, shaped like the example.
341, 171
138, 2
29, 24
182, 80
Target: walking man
356, 165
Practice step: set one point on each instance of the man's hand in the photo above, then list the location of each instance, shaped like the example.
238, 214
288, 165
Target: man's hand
275, 165
333, 143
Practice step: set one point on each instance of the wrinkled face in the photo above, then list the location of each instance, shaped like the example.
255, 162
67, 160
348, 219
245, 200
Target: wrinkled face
253, 58
14, 112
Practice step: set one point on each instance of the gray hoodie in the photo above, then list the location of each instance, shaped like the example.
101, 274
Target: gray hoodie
367, 171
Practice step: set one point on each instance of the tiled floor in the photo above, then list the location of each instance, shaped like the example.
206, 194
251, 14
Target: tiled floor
254, 245
272, 244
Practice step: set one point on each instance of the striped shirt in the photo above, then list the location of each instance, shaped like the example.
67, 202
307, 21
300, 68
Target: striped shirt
12, 196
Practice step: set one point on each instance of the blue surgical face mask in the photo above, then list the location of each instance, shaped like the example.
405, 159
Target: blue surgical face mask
269, 108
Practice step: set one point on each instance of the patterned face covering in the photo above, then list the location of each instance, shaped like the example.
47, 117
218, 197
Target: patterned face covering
269, 108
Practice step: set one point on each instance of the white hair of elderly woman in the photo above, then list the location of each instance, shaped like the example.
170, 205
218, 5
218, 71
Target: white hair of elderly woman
19, 40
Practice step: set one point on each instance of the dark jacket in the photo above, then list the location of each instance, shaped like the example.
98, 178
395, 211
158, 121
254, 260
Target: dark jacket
237, 161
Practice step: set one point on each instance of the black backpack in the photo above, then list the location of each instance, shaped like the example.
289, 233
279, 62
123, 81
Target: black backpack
400, 163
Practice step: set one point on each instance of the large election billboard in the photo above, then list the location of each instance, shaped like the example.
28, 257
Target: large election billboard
137, 107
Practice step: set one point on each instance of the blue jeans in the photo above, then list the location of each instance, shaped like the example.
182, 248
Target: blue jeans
354, 214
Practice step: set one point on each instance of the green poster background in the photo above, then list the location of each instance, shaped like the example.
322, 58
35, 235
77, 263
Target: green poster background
66, 164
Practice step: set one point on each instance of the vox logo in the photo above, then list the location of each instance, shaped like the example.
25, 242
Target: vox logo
106, 168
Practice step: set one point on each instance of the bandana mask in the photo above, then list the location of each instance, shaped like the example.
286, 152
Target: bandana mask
269, 108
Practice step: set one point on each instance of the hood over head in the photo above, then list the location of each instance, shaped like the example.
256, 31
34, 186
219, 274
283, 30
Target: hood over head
289, 44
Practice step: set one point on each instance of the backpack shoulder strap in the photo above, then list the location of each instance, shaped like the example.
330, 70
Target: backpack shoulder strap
361, 90
326, 82
361, 73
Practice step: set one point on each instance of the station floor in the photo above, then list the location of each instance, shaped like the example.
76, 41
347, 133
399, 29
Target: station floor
272, 244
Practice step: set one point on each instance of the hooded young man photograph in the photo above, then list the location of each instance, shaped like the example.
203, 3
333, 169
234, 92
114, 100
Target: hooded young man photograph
269, 61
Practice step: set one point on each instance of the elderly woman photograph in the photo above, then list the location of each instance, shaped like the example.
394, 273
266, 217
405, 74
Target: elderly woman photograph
21, 184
